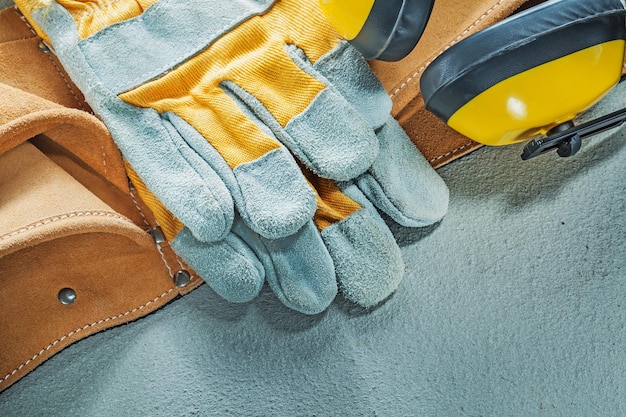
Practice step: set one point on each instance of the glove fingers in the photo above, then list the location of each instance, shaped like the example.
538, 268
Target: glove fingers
229, 267
402, 183
346, 69
367, 260
317, 125
181, 180
297, 268
270, 192
264, 180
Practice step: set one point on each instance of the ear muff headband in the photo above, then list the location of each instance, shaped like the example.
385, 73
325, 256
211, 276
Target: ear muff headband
380, 29
550, 50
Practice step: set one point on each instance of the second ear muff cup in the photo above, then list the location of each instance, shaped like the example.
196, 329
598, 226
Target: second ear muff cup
393, 28
380, 29
530, 72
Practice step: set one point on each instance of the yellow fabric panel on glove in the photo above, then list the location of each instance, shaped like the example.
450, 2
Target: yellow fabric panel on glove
170, 225
90, 16
251, 57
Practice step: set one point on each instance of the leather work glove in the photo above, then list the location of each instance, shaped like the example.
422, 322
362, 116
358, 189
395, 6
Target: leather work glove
208, 103
358, 243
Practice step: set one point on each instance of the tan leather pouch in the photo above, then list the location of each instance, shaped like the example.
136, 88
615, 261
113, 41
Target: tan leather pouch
75, 253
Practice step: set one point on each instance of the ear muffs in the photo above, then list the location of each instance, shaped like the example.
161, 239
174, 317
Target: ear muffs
529, 73
380, 29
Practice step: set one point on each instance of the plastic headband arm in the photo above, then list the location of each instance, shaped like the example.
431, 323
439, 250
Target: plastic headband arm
567, 138
567, 142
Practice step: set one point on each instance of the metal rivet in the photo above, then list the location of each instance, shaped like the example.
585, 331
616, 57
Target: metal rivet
43, 47
67, 296
157, 235
182, 278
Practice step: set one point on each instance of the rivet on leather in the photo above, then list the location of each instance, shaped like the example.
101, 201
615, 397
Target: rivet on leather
67, 296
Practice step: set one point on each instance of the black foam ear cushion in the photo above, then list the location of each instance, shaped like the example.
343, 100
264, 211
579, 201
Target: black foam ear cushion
521, 42
393, 28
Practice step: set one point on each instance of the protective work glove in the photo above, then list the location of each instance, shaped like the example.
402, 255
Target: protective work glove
358, 244
203, 101
355, 240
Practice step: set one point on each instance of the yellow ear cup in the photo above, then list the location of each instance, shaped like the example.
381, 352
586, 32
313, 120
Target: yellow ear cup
536, 100
348, 16
530, 72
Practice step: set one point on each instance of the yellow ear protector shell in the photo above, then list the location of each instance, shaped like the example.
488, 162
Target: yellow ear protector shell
531, 73
380, 29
